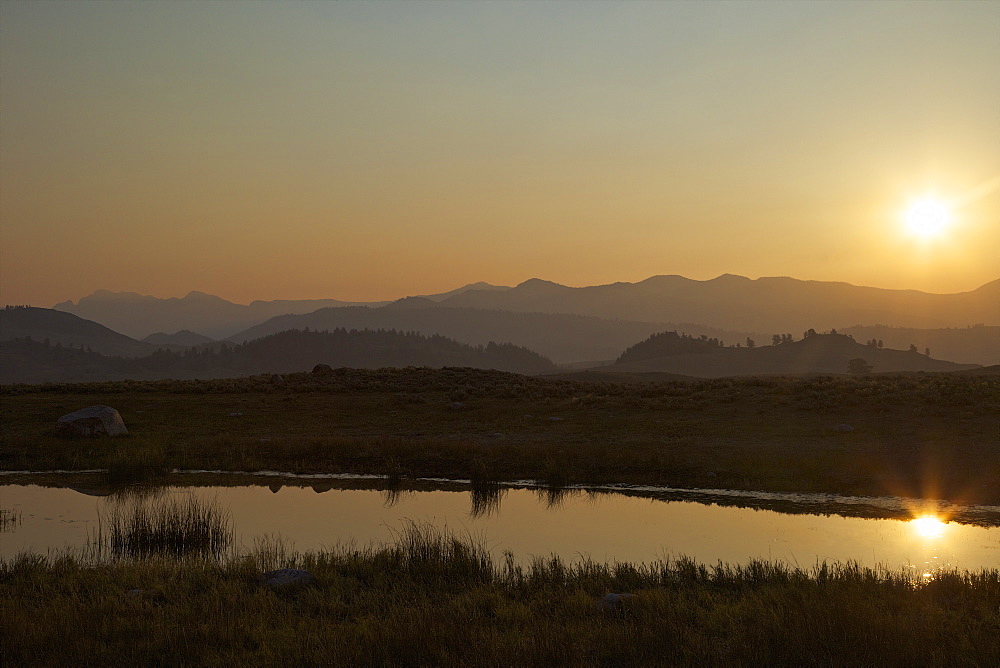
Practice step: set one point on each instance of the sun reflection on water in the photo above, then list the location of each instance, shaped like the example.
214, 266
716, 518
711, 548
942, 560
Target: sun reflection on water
929, 527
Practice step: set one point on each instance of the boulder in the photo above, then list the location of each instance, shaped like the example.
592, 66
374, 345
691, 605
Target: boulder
457, 406
288, 578
278, 380
322, 368
843, 428
93, 421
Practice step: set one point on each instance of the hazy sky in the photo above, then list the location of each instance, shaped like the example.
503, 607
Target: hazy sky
374, 150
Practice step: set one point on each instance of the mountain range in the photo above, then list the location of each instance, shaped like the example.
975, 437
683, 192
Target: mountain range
575, 327
59, 347
139, 315
727, 303
770, 305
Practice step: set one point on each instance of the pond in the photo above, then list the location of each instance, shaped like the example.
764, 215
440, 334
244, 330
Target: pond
628, 524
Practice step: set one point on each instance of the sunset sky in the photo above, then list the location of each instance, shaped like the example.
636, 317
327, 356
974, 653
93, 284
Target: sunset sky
365, 151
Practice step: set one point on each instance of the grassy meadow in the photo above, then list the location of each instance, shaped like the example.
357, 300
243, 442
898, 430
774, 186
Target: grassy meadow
921, 436
434, 599
160, 586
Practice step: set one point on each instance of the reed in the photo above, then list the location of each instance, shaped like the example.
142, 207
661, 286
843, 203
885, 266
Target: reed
140, 526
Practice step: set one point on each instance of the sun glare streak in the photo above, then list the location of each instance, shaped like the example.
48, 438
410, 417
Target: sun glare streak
928, 527
982, 190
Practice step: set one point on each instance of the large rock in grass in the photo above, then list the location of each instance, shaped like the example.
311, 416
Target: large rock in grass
91, 422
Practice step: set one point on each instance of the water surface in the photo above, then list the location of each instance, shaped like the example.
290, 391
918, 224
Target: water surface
603, 526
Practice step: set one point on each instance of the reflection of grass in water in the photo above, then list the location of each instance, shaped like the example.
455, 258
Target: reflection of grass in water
138, 492
555, 497
486, 498
393, 494
140, 526
9, 519
431, 598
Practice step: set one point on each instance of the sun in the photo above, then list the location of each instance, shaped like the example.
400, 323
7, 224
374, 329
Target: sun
928, 217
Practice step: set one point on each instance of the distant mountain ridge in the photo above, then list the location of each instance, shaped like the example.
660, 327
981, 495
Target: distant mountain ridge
139, 316
726, 307
737, 303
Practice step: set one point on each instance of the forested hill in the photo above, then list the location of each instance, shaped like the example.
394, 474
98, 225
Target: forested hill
816, 353
29, 361
669, 343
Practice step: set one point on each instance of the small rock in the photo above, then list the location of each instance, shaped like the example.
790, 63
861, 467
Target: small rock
287, 578
235, 414
711, 474
843, 428
322, 368
495, 434
612, 602
457, 406
92, 421
528, 417
555, 419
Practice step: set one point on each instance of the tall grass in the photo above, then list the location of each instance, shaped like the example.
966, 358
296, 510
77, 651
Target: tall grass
432, 598
135, 464
141, 526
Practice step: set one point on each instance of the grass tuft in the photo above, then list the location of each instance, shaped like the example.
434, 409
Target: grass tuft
141, 526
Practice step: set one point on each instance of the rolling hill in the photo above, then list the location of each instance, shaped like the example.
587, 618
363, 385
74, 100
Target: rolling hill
65, 329
562, 338
819, 353
29, 361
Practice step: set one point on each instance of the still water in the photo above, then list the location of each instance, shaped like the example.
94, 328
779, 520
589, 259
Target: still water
527, 522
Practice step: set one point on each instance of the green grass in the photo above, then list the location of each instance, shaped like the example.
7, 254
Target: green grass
431, 598
929, 436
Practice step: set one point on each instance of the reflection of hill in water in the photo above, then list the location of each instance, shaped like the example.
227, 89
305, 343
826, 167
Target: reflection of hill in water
486, 502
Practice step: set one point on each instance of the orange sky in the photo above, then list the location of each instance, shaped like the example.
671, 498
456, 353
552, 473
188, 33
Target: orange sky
373, 150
